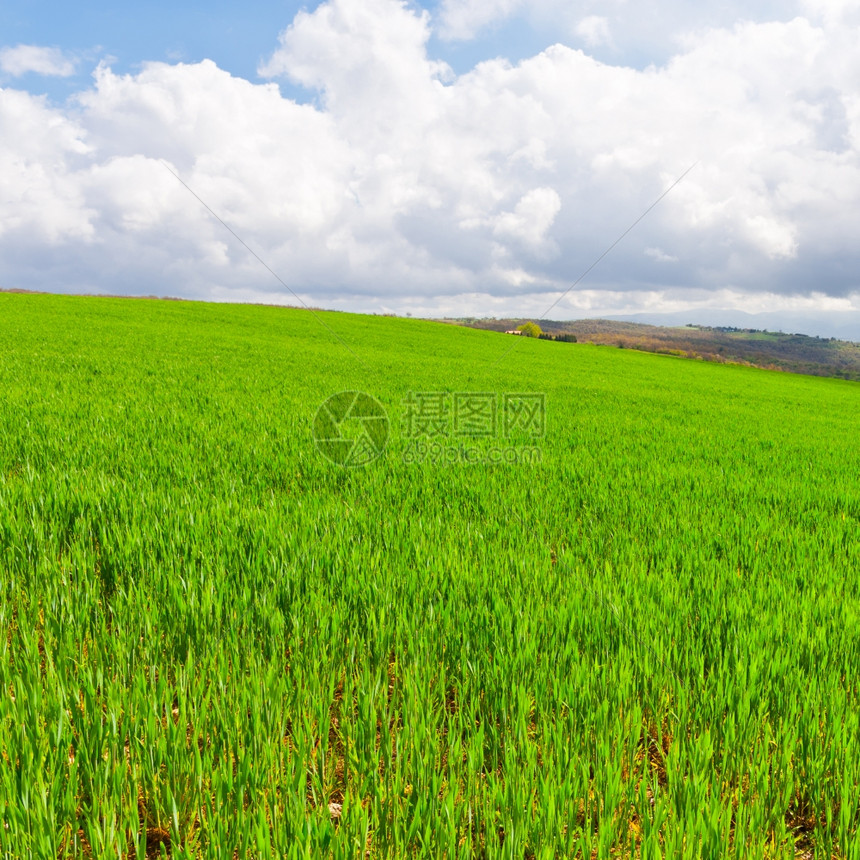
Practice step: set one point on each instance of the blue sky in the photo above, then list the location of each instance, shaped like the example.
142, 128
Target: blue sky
237, 37
462, 157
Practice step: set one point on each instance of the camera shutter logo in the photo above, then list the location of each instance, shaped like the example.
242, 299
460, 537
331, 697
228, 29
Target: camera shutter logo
351, 428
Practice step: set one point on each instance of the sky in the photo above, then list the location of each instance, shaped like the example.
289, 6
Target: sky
456, 158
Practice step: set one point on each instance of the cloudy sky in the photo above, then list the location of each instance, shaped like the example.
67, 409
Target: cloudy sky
462, 157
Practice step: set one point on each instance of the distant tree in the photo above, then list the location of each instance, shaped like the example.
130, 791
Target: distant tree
530, 329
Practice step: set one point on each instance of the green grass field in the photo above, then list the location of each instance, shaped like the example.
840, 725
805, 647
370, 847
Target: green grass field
218, 643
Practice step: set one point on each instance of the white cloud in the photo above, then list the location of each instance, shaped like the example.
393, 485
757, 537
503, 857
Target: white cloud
41, 198
464, 19
636, 34
594, 30
33, 58
407, 186
660, 255
372, 47
531, 219
833, 11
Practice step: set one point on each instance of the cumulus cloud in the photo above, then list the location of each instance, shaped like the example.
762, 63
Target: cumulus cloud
637, 34
660, 255
41, 197
22, 59
464, 19
531, 219
373, 47
833, 11
594, 30
406, 186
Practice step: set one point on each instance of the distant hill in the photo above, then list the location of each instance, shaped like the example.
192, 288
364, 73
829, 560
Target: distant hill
794, 353
844, 326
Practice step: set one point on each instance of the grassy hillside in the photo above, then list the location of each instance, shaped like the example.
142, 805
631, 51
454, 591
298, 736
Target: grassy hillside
217, 642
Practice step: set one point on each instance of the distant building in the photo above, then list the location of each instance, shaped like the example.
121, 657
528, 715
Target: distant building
513, 331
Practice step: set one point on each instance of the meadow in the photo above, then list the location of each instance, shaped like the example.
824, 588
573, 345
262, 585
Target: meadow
215, 642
